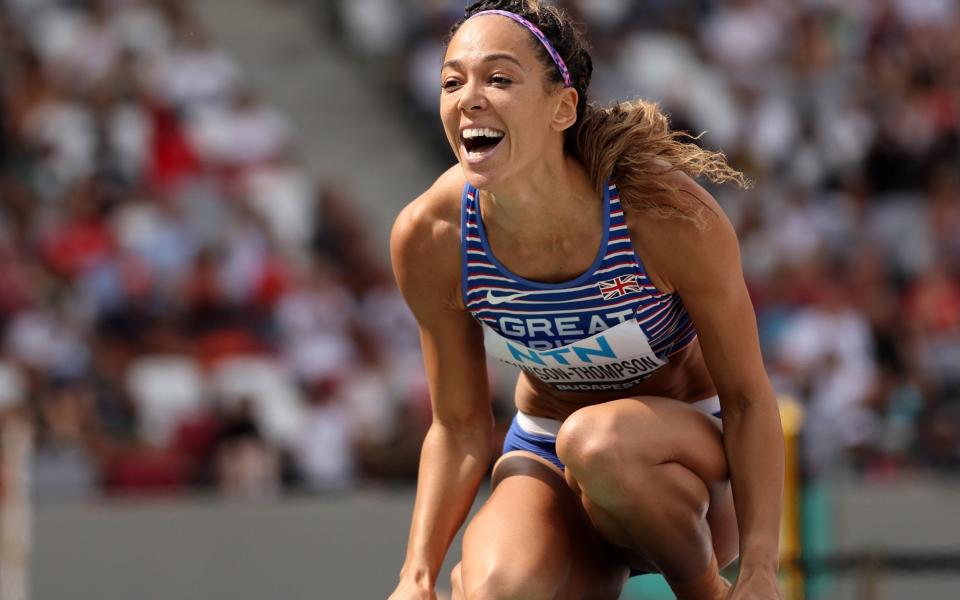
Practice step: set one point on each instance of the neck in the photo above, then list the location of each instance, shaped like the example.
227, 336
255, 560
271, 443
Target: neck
546, 201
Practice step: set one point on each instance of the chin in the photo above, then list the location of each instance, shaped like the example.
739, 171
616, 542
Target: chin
481, 180
486, 177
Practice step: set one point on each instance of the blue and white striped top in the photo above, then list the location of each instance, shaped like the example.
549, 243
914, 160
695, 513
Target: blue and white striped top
607, 329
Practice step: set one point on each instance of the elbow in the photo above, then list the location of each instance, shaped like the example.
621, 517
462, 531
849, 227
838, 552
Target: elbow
467, 423
473, 433
740, 403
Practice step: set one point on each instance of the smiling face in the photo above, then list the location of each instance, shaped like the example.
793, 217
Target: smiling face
499, 112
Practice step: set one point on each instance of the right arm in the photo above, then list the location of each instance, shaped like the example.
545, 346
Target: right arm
425, 250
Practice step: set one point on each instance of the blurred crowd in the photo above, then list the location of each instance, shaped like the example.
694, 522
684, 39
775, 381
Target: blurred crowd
181, 306
846, 114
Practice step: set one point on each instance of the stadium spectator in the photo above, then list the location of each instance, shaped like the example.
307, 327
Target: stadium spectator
847, 117
165, 287
151, 207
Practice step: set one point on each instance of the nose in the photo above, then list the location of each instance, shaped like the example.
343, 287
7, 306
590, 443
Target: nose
471, 97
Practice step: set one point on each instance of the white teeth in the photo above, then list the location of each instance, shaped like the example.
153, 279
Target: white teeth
481, 132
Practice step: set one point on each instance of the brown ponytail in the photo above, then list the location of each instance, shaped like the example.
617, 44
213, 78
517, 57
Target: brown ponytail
632, 144
629, 143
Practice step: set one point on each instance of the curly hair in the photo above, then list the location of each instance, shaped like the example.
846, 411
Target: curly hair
628, 142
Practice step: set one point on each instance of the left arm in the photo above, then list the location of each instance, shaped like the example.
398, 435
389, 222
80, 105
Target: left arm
703, 265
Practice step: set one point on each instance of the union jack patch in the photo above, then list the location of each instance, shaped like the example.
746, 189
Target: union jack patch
619, 286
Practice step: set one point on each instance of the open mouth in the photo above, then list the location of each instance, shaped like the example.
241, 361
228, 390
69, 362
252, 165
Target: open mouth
480, 140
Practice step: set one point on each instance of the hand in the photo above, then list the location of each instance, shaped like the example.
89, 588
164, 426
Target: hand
756, 585
409, 589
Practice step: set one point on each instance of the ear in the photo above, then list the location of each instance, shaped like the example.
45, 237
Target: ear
565, 113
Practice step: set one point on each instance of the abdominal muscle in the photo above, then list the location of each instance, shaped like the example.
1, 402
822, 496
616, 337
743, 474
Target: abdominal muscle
684, 377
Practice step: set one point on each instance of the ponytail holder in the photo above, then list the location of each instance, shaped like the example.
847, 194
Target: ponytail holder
557, 59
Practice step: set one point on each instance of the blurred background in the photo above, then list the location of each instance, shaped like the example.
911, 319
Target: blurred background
210, 387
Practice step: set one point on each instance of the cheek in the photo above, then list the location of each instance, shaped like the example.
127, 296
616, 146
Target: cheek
532, 123
448, 111
450, 119
529, 111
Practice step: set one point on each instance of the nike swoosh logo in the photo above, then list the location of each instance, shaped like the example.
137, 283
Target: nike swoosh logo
501, 299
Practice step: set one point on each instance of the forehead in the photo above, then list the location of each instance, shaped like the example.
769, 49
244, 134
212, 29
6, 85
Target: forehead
488, 34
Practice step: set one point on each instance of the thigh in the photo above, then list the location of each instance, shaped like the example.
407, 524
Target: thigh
691, 438
630, 435
533, 538
647, 431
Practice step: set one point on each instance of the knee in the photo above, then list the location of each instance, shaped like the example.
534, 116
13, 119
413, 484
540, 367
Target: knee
586, 440
594, 442
590, 446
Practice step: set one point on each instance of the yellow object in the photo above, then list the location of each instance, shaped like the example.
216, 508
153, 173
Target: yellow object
791, 418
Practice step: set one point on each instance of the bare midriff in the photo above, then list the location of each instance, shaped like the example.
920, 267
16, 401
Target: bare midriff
684, 377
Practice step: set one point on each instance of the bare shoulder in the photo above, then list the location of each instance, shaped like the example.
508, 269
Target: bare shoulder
425, 240
674, 249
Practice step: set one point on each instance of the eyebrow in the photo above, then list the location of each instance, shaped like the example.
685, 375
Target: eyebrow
488, 58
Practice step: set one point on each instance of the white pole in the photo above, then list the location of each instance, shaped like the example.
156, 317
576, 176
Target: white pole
15, 513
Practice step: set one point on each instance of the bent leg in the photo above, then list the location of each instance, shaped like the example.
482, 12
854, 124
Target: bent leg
652, 476
532, 540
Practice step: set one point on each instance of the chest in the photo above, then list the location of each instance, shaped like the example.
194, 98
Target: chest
553, 258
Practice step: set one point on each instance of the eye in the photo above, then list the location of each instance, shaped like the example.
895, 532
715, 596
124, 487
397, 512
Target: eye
501, 80
449, 84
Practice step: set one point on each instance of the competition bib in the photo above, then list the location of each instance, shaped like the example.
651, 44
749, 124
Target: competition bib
614, 359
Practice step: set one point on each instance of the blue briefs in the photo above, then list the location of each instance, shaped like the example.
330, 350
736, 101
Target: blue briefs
539, 441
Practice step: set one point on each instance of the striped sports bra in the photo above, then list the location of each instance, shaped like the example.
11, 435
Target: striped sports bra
607, 329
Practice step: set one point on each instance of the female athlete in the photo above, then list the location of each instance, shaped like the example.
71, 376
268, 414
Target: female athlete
572, 242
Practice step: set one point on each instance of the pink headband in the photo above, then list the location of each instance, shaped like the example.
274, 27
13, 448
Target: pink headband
557, 59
